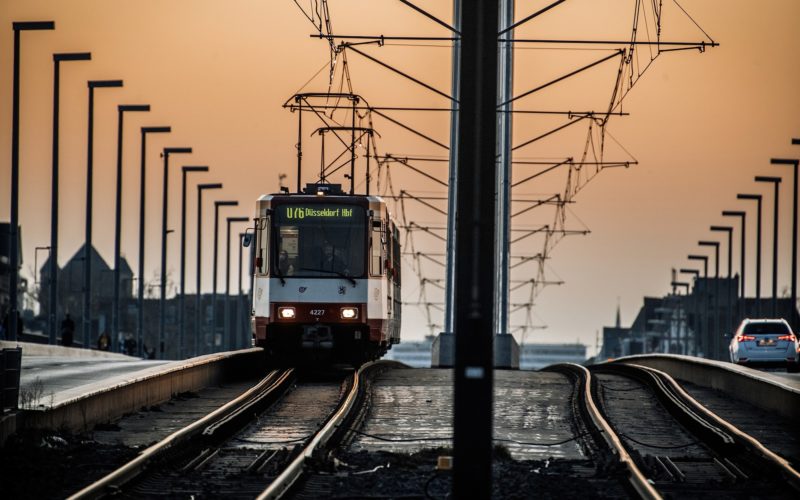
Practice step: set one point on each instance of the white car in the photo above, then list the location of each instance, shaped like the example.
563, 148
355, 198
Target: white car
765, 342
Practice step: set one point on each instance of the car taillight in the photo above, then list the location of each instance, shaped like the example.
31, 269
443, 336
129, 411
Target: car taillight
742, 338
789, 337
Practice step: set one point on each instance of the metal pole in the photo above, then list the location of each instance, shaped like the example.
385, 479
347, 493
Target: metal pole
53, 281
299, 146
452, 178
87, 250
163, 285
702, 341
217, 204
756, 197
182, 299
729, 313
742, 312
353, 149
474, 290
142, 191
695, 309
794, 163
121, 109
715, 344
251, 270
504, 132
231, 341
198, 302
776, 182
13, 230
239, 318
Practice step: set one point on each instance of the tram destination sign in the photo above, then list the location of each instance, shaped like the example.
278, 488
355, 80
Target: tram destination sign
318, 212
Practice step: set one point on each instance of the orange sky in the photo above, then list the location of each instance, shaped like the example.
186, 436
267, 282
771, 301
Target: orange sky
701, 126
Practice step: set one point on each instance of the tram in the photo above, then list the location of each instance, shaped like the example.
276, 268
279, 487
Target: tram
326, 284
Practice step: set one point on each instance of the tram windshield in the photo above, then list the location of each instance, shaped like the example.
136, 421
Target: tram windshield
319, 240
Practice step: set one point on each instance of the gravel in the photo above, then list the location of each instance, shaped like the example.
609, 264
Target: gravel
384, 474
47, 464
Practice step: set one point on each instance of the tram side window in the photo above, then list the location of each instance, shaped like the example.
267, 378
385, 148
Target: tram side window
262, 258
396, 253
288, 250
376, 244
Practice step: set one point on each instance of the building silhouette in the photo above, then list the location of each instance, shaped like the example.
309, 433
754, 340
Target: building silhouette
700, 323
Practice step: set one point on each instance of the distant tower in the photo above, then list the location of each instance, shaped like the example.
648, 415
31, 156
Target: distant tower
619, 321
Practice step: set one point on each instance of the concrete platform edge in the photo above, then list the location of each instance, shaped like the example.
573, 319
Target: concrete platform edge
751, 386
31, 349
110, 399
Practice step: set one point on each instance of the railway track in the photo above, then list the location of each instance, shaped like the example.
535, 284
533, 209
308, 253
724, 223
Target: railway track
642, 435
241, 450
682, 447
199, 434
601, 443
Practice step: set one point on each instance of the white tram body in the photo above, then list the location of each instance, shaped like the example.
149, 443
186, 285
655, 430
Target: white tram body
326, 279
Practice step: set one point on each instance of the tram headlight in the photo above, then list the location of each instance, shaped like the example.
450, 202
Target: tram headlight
286, 312
349, 312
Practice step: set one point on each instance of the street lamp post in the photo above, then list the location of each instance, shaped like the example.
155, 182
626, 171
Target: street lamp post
715, 344
226, 333
695, 322
163, 285
53, 282
121, 109
742, 309
776, 184
703, 340
13, 234
217, 204
182, 300
729, 230
756, 197
239, 319
681, 340
87, 260
793, 163
142, 190
198, 302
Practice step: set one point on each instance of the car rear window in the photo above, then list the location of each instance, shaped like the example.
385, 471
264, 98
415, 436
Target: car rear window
766, 328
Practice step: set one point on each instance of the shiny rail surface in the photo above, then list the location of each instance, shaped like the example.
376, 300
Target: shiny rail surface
221, 419
729, 447
346, 410
636, 479
776, 462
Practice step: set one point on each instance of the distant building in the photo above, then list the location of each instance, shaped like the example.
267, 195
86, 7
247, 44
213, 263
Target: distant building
538, 356
5, 267
698, 324
71, 296
531, 356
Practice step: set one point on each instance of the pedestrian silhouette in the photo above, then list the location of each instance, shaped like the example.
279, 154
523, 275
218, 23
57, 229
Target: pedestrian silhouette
67, 331
104, 342
130, 345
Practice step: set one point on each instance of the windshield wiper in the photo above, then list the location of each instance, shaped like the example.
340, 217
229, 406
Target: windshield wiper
280, 276
343, 275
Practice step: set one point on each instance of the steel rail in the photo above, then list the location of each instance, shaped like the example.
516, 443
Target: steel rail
754, 446
112, 482
637, 480
281, 485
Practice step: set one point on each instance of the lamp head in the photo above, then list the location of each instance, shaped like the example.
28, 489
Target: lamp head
133, 107
195, 168
157, 130
93, 84
73, 56
34, 25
